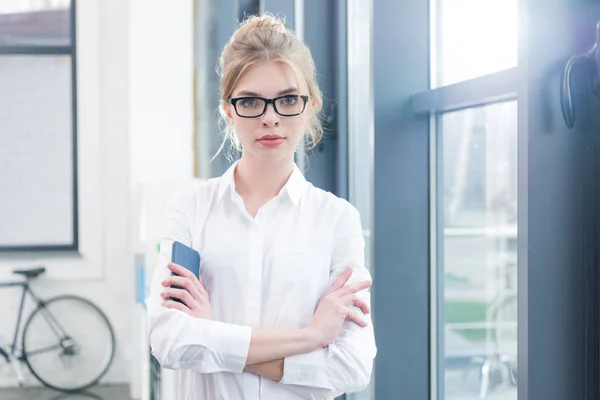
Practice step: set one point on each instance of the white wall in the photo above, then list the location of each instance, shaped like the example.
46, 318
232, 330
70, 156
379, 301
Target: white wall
161, 124
135, 114
161, 82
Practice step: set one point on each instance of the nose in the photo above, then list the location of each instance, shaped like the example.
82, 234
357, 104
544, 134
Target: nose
270, 118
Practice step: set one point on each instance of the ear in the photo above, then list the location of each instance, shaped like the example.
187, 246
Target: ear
228, 111
313, 102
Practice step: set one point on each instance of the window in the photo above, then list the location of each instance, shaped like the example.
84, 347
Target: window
475, 38
38, 125
446, 146
478, 228
473, 109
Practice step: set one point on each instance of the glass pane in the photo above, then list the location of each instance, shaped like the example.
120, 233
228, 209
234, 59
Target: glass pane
478, 324
36, 151
35, 22
475, 38
360, 128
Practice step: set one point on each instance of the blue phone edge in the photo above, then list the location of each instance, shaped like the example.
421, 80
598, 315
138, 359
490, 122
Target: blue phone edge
181, 254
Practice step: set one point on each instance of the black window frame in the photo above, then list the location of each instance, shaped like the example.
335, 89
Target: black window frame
70, 50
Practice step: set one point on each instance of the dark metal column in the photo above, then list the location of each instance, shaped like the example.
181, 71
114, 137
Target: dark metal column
401, 204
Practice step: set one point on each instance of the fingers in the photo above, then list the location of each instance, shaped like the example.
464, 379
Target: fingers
188, 284
357, 320
340, 281
180, 294
352, 299
177, 306
348, 299
357, 287
364, 307
181, 271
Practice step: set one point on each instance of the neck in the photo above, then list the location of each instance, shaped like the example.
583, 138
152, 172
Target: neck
262, 178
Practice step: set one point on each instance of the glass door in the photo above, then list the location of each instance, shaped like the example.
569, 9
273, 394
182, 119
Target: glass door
487, 192
474, 212
498, 141
477, 252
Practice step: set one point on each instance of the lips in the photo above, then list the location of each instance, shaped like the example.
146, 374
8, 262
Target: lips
271, 140
270, 137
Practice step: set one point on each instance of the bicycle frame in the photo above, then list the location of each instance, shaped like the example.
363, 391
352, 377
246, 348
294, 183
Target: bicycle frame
54, 325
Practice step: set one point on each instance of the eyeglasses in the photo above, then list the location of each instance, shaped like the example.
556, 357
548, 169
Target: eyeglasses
253, 107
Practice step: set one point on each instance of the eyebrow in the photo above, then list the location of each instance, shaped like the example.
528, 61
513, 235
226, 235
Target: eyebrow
281, 93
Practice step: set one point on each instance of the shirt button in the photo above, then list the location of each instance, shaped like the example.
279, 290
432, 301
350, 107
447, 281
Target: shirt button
302, 376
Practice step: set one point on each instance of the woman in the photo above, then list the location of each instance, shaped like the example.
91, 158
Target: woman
281, 309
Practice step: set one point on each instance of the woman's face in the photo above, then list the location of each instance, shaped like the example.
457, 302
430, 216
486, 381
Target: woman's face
270, 136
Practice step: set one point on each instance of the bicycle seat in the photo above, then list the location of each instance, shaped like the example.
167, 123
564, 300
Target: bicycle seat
31, 272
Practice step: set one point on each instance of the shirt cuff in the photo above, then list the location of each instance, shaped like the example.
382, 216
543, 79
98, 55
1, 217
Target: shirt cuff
305, 369
229, 344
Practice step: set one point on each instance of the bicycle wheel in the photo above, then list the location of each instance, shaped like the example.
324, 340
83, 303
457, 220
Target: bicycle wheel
68, 343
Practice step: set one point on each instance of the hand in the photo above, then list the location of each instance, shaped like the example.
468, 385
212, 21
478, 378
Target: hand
272, 370
333, 309
196, 302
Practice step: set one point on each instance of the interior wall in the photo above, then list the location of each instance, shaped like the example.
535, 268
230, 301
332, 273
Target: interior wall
135, 112
101, 270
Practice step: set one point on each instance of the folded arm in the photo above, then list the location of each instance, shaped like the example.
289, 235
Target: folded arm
180, 341
345, 365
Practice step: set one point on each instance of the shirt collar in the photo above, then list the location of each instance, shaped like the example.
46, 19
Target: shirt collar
226, 181
293, 187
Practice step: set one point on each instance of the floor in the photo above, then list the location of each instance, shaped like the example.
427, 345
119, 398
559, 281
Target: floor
117, 392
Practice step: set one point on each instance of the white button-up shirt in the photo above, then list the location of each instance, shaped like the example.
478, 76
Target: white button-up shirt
269, 271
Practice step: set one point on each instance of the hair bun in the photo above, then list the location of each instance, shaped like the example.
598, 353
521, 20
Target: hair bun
265, 21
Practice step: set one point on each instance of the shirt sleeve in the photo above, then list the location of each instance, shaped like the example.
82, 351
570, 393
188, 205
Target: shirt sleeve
177, 340
346, 365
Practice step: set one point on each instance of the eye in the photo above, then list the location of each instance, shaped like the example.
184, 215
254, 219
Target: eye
290, 100
249, 103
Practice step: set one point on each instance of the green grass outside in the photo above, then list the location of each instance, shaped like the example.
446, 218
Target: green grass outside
466, 312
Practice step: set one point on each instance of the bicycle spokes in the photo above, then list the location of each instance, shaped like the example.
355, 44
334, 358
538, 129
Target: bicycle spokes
74, 331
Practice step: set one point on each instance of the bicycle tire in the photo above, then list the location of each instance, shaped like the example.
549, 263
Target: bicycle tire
102, 316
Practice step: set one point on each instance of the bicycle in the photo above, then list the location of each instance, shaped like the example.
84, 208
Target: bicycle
79, 367
501, 367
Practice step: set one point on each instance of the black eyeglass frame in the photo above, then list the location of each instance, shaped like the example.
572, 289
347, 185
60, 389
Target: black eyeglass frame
234, 101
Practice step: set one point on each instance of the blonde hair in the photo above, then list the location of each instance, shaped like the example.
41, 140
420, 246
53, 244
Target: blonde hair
259, 39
